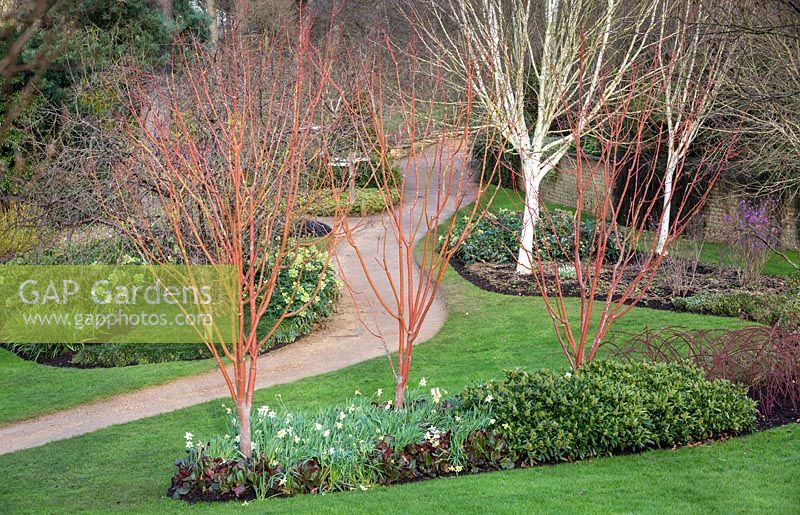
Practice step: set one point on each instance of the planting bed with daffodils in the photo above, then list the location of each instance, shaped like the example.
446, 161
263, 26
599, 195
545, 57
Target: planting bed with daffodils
525, 419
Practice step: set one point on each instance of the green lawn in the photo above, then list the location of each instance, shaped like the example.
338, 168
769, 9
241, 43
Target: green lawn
126, 468
775, 265
28, 389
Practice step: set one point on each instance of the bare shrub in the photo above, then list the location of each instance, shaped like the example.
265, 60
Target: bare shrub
765, 360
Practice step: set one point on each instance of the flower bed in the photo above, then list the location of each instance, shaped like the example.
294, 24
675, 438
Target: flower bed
488, 259
494, 238
368, 201
523, 420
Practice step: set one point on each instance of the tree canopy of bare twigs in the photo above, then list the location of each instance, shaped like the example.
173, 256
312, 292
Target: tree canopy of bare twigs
218, 176
561, 48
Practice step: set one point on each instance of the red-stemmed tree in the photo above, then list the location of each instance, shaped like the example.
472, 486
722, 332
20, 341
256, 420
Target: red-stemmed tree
415, 242
617, 201
218, 178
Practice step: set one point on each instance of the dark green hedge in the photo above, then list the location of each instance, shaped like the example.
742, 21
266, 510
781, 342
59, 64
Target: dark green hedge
607, 407
296, 284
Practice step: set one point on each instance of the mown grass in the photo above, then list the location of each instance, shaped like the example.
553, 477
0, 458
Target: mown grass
28, 389
127, 467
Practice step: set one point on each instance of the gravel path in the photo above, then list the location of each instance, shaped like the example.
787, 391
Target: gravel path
344, 341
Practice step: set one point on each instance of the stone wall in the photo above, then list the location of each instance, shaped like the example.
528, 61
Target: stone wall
724, 199
558, 187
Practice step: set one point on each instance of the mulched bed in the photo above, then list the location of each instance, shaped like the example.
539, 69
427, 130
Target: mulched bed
503, 279
781, 416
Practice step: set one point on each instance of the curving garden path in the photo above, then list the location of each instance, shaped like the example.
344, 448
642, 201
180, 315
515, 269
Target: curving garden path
344, 341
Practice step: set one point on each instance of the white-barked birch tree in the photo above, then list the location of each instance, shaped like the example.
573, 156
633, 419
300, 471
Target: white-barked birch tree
573, 53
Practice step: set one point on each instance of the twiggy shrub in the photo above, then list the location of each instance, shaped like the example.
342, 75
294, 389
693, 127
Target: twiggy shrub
752, 228
765, 360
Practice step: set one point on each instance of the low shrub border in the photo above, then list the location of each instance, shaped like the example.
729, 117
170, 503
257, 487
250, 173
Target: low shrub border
526, 419
494, 238
765, 308
764, 360
296, 281
368, 201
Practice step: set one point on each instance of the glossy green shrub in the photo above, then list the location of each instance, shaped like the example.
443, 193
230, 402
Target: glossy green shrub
297, 290
608, 407
494, 238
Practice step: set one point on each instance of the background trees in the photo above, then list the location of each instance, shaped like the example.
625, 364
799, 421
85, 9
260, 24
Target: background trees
692, 58
762, 96
60, 82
